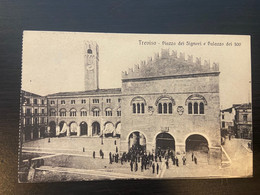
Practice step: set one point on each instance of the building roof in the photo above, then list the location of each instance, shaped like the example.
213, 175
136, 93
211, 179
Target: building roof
26, 93
90, 92
227, 110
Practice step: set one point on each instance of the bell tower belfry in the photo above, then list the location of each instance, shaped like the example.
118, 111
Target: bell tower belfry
91, 63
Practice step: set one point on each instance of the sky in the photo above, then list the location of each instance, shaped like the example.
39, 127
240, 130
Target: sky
54, 61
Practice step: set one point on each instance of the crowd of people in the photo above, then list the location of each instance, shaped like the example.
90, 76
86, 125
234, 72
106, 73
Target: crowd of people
138, 159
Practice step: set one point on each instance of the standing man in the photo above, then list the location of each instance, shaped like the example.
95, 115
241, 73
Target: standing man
94, 154
157, 168
136, 166
192, 156
177, 161
184, 160
131, 165
110, 157
167, 164
195, 159
153, 166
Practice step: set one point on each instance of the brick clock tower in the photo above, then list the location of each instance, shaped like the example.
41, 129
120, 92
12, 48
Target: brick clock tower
91, 65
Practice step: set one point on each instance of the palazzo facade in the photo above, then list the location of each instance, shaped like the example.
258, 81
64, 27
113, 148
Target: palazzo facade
166, 102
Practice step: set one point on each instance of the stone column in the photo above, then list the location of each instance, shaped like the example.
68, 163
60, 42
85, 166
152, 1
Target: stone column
78, 130
68, 131
90, 129
31, 133
180, 148
57, 130
39, 132
150, 147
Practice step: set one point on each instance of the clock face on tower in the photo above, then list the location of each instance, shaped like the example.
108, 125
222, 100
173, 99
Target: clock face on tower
90, 60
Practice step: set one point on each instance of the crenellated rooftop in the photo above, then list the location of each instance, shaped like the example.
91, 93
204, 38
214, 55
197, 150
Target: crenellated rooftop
169, 64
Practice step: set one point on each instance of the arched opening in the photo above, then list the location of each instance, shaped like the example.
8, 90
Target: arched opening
95, 129
164, 142
190, 108
197, 143
83, 128
52, 125
137, 142
73, 128
160, 108
109, 129
196, 108
201, 108
35, 133
63, 129
118, 129
42, 132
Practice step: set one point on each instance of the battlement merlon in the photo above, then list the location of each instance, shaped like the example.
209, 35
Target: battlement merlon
169, 65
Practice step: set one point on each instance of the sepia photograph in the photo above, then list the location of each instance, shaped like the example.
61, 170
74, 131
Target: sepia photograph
107, 106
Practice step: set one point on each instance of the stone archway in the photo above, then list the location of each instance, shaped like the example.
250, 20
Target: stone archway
83, 128
137, 142
52, 125
197, 142
95, 128
73, 128
164, 142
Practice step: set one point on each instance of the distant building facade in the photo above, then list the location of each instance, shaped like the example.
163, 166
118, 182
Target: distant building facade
243, 121
168, 102
227, 119
34, 116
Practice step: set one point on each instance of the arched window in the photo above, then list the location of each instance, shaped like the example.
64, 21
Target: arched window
160, 108
52, 112
119, 112
138, 108
142, 105
201, 108
196, 108
108, 112
165, 104
138, 104
96, 112
83, 112
134, 108
73, 112
189, 108
170, 108
196, 104
62, 112
165, 108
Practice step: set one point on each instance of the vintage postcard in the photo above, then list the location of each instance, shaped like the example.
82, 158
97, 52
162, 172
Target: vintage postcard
98, 106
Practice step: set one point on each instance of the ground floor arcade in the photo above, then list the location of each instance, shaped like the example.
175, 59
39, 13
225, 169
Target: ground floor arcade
164, 141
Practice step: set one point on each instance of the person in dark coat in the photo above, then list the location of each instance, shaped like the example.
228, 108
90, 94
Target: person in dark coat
136, 166
131, 165
195, 159
157, 168
110, 157
116, 149
184, 160
167, 164
192, 156
94, 154
176, 161
173, 160
153, 166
